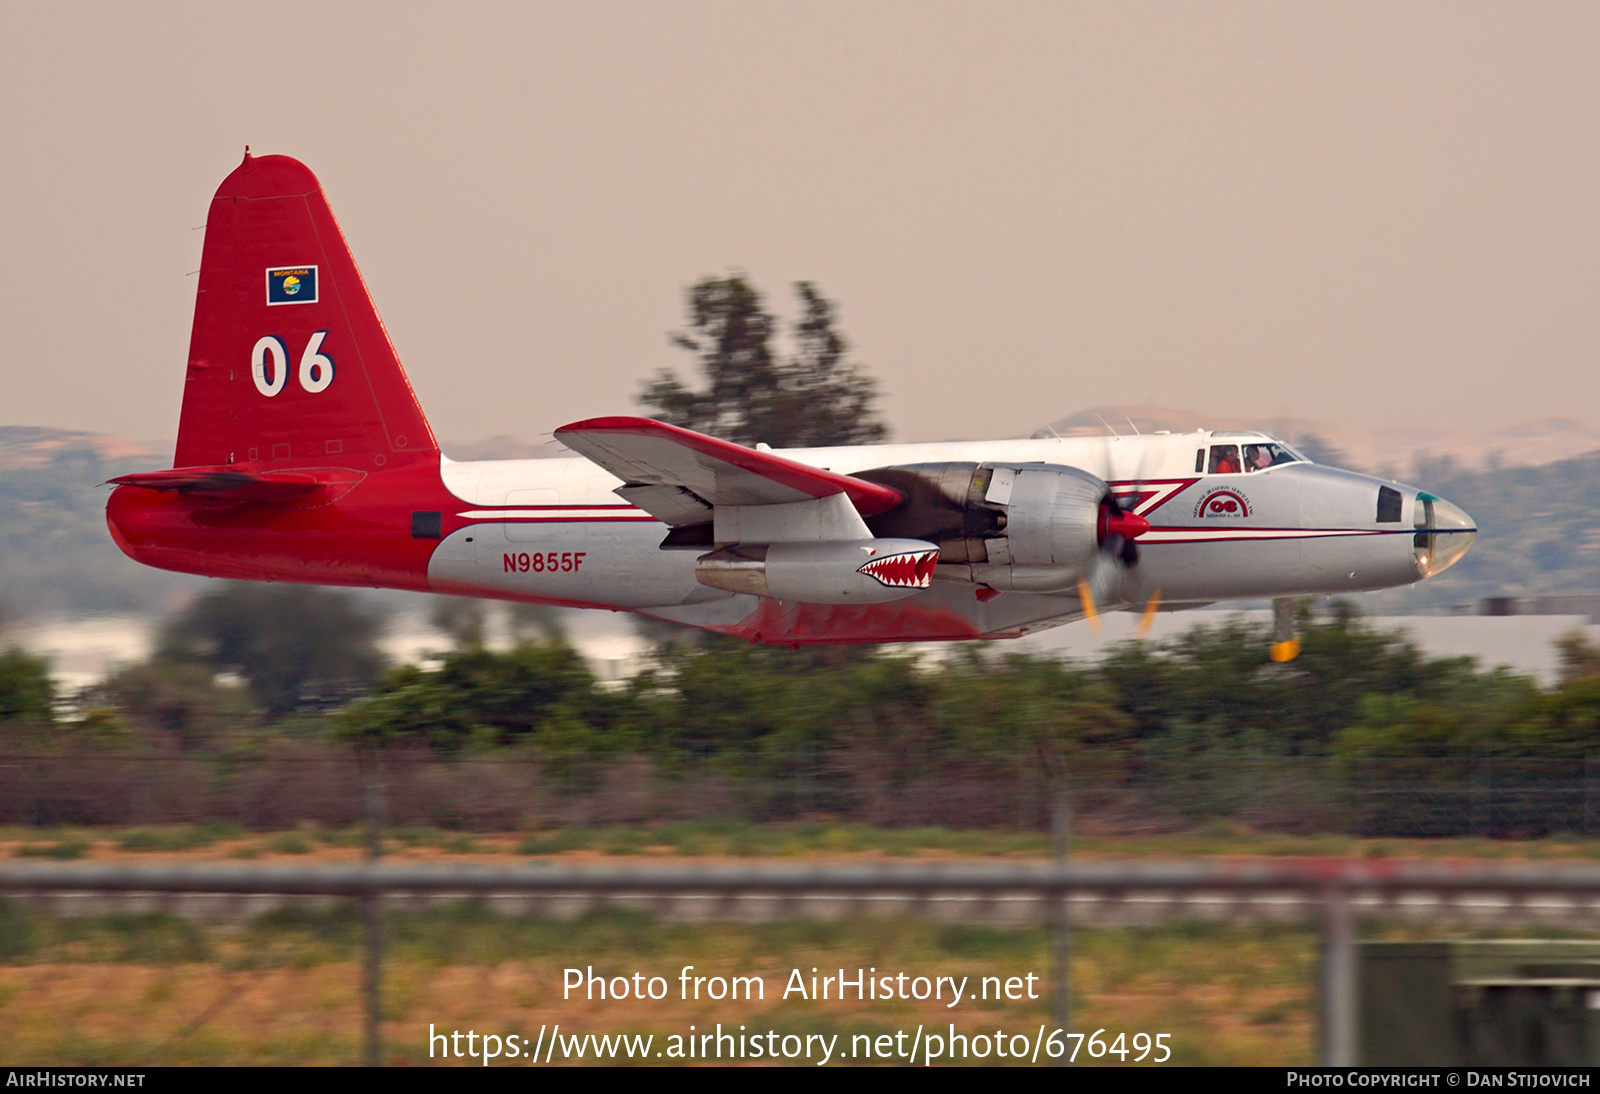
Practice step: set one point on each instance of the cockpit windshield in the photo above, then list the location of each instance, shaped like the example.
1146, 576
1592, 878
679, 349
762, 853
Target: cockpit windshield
1259, 457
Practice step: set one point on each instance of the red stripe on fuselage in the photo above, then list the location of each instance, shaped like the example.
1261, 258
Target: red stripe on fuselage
554, 520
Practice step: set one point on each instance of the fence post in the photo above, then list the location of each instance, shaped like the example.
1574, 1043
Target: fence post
1364, 802
805, 798
1588, 793
1477, 824
1340, 1045
1061, 912
1488, 796
372, 971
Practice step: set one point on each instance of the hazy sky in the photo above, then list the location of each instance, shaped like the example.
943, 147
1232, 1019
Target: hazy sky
1372, 213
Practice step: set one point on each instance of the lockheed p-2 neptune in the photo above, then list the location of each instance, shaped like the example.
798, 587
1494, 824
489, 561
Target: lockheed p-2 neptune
303, 456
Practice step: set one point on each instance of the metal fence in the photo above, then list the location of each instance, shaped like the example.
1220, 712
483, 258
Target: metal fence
1481, 795
1334, 891
289, 785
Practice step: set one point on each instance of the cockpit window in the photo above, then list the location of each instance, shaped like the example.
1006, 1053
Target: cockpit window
1259, 457
1388, 505
1224, 459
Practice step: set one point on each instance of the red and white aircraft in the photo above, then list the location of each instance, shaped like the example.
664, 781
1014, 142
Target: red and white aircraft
303, 456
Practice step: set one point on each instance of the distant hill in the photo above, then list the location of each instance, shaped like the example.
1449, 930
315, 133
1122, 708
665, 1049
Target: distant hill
35, 446
505, 448
1539, 533
1534, 490
1396, 452
56, 556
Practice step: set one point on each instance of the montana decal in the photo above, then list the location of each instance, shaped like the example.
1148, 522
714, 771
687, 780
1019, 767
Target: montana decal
292, 285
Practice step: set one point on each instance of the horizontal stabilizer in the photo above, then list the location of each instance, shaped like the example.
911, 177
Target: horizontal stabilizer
642, 452
231, 482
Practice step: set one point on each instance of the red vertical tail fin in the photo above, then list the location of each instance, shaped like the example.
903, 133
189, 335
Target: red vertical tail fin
289, 364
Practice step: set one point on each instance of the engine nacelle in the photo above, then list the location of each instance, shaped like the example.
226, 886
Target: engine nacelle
866, 571
1053, 528
1026, 527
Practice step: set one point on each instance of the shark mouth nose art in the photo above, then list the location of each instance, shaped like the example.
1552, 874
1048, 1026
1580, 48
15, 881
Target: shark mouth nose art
913, 570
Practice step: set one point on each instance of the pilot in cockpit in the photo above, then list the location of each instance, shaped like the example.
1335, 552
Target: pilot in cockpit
1224, 459
1259, 457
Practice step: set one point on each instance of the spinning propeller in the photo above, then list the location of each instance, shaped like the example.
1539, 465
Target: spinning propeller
1119, 530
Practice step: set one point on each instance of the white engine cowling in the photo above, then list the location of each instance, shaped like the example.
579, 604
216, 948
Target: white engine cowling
868, 571
1052, 531
1027, 527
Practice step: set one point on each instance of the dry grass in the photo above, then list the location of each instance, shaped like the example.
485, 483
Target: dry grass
286, 989
734, 839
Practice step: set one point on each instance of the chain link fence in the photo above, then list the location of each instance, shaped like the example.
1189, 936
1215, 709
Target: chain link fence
1480, 796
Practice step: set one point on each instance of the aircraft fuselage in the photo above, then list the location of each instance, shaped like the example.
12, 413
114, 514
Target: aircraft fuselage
554, 531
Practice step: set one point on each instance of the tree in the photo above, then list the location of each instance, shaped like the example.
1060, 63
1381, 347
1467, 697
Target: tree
538, 623
1222, 676
180, 701
26, 691
537, 692
814, 397
1580, 658
295, 644
464, 619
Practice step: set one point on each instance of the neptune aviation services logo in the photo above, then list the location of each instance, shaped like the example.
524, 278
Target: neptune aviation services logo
1224, 504
292, 285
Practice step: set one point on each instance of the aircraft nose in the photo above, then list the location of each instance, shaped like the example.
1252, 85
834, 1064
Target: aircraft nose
1444, 532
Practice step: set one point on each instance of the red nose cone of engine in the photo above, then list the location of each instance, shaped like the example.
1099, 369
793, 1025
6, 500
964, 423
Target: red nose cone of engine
1126, 525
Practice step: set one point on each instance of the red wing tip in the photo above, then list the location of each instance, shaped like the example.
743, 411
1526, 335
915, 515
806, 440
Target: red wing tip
617, 423
869, 497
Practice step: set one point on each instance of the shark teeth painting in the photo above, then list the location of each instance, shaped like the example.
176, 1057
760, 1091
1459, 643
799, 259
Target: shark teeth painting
913, 570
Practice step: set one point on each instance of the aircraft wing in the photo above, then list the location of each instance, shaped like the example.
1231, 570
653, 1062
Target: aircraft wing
678, 475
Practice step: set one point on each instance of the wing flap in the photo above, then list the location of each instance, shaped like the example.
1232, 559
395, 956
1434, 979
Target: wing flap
643, 452
670, 504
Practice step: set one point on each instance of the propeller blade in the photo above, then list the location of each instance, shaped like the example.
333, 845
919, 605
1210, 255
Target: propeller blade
1285, 636
1120, 526
1086, 598
1152, 606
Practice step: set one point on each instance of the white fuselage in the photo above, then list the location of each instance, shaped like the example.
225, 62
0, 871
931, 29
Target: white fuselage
554, 530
